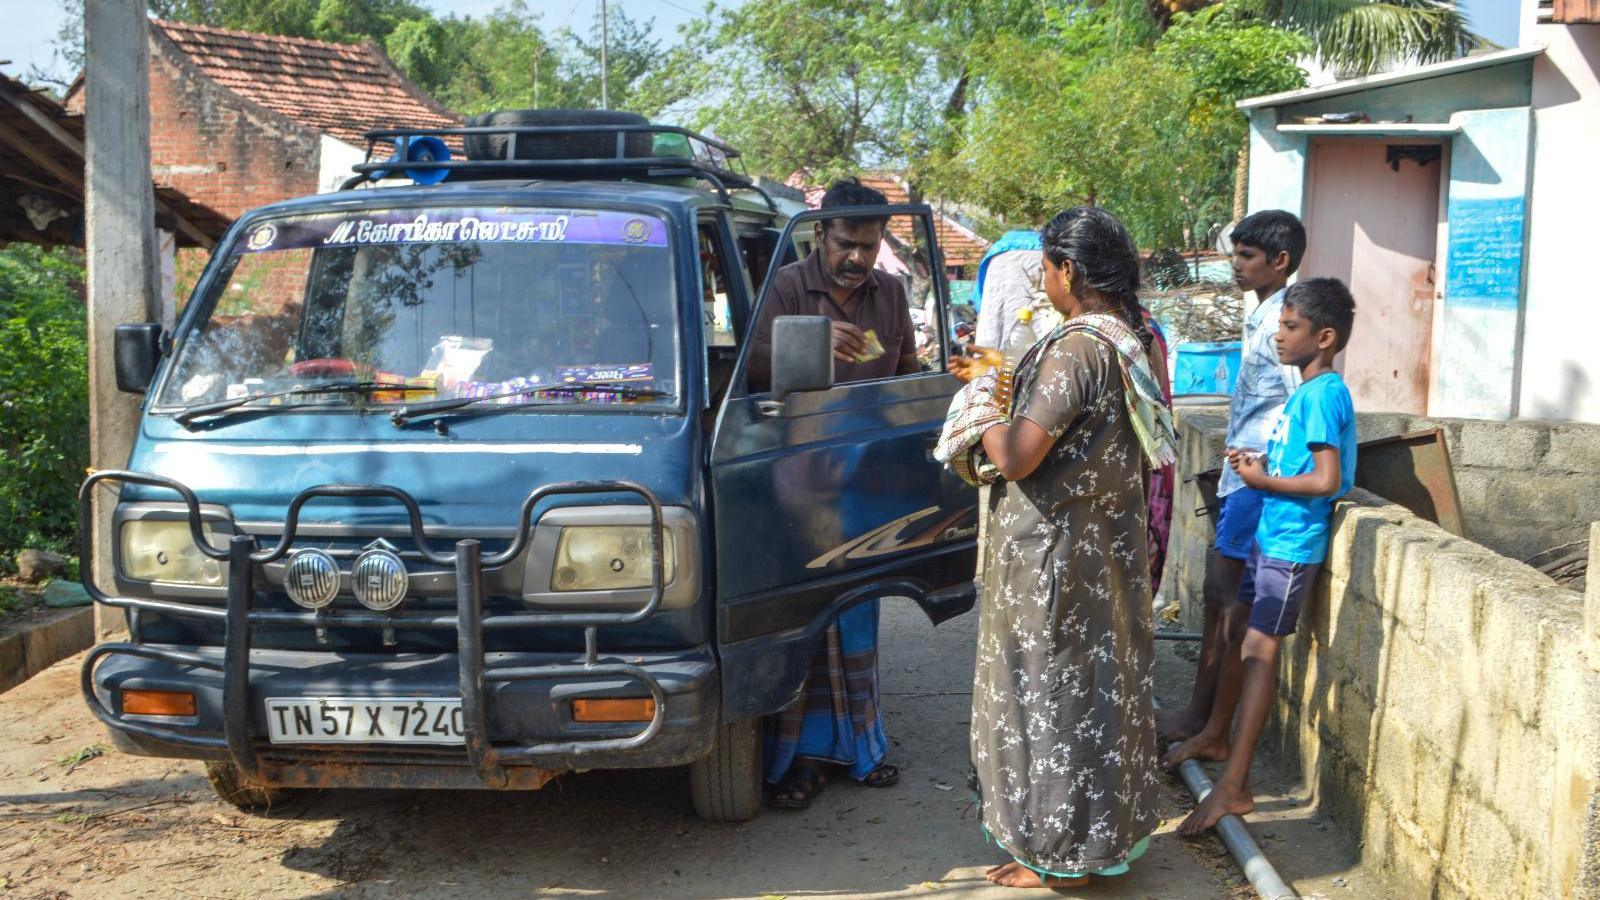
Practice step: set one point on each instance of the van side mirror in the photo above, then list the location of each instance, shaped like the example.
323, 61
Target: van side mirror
802, 355
137, 351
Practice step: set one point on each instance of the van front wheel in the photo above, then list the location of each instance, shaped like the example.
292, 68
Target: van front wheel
726, 783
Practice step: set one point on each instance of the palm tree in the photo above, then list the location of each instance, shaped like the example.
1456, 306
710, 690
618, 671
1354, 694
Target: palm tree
1355, 36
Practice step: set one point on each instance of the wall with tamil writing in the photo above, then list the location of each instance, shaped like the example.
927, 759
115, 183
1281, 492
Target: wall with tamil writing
1476, 328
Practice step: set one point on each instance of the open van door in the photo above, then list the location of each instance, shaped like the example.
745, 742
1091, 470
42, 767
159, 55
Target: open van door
825, 496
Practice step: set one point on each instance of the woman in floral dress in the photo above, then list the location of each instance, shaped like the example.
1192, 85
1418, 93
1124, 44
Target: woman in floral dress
1063, 733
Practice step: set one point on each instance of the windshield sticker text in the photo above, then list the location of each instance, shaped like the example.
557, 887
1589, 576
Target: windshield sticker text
455, 226
469, 228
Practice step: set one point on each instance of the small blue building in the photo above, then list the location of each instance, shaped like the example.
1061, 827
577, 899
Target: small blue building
1450, 198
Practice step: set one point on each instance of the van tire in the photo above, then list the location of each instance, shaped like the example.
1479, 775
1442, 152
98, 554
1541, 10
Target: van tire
233, 790
726, 783
566, 146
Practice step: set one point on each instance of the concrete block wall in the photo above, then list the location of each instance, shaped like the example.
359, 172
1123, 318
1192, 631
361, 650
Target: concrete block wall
1442, 700
1525, 485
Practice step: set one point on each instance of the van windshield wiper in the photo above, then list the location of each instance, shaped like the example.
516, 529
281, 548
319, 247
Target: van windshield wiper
629, 391
190, 413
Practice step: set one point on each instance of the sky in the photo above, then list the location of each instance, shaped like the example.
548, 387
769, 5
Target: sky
32, 24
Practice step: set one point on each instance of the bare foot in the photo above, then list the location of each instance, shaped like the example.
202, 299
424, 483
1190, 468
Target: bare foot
1220, 802
1201, 746
1017, 875
1177, 725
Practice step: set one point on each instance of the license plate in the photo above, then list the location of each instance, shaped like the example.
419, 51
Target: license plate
376, 720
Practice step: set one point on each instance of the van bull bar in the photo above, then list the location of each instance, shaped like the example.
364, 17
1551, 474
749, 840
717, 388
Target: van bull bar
497, 766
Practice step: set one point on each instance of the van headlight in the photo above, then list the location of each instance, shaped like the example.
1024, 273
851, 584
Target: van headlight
163, 550
609, 557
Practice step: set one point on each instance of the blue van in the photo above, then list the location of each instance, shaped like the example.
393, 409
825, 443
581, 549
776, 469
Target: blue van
459, 484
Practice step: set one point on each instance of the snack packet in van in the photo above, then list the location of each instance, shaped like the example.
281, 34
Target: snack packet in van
456, 358
874, 348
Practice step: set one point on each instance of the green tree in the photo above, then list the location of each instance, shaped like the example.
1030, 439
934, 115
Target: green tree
496, 61
471, 65
503, 60
346, 21
1081, 114
961, 29
827, 85
44, 396
633, 62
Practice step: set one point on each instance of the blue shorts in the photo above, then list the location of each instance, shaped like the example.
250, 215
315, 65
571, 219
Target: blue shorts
1236, 524
1275, 589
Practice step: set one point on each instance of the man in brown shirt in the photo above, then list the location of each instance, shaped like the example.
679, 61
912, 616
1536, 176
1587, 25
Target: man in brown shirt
838, 280
838, 719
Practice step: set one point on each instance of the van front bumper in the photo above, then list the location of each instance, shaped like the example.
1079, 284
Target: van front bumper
519, 713
516, 718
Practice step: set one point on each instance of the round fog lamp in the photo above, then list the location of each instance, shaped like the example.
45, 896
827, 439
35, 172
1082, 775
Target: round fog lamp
379, 580
311, 579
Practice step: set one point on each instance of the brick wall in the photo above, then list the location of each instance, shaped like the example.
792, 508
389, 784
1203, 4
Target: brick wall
1442, 700
222, 150
218, 148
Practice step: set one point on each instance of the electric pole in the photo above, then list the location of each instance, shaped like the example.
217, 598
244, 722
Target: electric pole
119, 237
605, 74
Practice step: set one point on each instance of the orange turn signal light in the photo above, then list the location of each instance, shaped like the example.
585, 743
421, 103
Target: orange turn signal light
158, 703
614, 710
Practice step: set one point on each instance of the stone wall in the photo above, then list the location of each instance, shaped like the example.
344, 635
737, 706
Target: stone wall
1442, 700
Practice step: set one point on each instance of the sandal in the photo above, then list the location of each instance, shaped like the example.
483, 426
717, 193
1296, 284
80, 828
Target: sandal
797, 789
882, 777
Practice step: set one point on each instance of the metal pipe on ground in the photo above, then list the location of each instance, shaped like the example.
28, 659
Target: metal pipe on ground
1268, 884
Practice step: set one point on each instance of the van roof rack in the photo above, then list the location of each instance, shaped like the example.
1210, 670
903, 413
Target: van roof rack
709, 159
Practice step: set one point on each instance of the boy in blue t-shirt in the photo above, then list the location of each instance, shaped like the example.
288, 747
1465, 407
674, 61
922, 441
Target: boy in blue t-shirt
1310, 462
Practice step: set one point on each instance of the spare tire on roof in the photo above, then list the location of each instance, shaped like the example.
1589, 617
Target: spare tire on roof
556, 146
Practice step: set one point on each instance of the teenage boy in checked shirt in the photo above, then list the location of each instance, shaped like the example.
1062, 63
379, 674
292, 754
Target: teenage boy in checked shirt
1310, 462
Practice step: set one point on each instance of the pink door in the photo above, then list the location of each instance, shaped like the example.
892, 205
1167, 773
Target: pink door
1375, 227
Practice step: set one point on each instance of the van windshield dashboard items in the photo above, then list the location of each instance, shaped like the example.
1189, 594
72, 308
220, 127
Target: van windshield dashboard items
189, 414
601, 391
504, 306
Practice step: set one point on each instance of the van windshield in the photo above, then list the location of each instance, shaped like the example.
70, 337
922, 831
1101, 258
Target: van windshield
441, 304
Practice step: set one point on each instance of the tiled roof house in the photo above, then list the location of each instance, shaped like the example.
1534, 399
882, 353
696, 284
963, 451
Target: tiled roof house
238, 119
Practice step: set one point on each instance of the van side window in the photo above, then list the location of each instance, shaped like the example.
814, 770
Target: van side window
906, 240
718, 294
756, 247
905, 256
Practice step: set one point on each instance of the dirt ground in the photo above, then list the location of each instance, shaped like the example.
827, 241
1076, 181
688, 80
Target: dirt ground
78, 819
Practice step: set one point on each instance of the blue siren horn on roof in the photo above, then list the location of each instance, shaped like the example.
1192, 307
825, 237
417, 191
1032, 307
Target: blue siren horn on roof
419, 148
